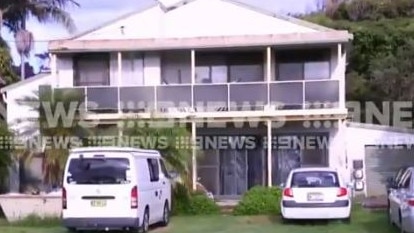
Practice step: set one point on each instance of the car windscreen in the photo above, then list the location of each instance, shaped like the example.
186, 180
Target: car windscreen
98, 171
314, 179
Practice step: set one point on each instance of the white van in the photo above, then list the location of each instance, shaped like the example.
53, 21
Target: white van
115, 188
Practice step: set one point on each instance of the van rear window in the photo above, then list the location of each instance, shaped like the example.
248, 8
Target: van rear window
98, 171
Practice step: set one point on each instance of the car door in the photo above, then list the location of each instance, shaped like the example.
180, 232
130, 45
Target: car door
157, 210
397, 196
403, 193
165, 182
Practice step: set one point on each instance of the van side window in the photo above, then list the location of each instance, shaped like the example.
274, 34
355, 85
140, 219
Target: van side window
153, 170
163, 168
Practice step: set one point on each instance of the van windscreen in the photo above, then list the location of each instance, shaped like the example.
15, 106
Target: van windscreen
98, 171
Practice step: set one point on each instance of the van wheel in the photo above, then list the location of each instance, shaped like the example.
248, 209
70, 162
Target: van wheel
145, 221
166, 215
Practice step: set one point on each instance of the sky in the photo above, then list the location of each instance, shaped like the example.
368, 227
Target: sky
92, 13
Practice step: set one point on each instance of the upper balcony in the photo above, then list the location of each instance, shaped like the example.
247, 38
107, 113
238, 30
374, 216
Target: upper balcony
207, 81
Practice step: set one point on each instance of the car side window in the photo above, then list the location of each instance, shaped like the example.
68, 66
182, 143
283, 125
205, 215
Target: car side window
163, 168
153, 170
405, 182
399, 175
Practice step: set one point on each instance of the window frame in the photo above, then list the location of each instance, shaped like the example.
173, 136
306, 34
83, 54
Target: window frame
308, 56
97, 57
154, 169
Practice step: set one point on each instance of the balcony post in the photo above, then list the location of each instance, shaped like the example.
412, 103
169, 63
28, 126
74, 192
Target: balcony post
119, 80
269, 153
268, 72
194, 154
341, 63
192, 77
53, 70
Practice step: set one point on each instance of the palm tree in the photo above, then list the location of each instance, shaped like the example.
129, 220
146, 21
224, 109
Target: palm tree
13, 14
5, 155
54, 156
173, 142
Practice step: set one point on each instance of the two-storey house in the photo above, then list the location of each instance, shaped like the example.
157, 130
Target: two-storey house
227, 70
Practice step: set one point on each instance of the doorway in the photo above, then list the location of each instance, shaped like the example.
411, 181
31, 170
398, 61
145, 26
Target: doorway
233, 172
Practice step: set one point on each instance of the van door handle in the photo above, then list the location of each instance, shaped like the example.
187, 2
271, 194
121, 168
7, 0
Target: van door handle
156, 193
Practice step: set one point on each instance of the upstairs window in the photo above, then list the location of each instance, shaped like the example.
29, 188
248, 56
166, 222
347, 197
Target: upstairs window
312, 64
91, 69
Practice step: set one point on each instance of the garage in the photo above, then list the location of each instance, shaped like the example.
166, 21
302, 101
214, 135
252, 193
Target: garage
382, 162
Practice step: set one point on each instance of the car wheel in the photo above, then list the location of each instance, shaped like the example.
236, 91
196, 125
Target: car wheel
145, 221
166, 215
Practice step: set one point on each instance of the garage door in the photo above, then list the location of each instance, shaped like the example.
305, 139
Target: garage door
381, 163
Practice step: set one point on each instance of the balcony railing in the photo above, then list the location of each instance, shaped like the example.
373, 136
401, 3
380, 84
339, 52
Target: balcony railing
278, 95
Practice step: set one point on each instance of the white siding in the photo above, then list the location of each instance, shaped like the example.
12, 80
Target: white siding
196, 19
18, 112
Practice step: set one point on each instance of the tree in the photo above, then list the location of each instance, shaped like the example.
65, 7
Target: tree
5, 155
381, 49
47, 102
7, 74
172, 140
13, 14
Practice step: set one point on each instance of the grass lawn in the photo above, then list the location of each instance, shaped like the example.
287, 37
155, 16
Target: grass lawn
363, 222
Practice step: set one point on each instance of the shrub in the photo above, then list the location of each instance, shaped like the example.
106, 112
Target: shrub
185, 202
259, 200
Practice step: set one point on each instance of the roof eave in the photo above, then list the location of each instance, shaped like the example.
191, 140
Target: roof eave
309, 38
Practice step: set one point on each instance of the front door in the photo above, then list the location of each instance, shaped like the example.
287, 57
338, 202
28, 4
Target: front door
233, 172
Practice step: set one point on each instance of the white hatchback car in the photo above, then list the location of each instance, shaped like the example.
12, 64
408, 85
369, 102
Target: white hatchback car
316, 193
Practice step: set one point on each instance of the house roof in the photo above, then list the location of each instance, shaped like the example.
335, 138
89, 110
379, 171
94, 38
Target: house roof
202, 28
23, 82
184, 2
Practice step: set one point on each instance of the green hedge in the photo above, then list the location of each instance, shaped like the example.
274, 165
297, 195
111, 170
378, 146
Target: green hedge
188, 203
259, 200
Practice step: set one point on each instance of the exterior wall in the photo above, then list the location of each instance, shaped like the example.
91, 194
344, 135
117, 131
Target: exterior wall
228, 17
358, 136
18, 114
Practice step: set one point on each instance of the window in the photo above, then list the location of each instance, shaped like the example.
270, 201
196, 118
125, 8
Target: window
229, 67
91, 69
98, 171
154, 170
164, 169
311, 64
406, 180
315, 179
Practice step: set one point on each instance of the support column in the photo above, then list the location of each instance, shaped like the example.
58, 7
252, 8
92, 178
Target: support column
192, 77
194, 154
269, 153
268, 72
341, 63
119, 81
53, 71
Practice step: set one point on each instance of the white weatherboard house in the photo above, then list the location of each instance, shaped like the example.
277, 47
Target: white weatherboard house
226, 63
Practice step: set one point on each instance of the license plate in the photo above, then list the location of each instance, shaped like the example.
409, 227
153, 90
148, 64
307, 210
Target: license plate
315, 197
98, 203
